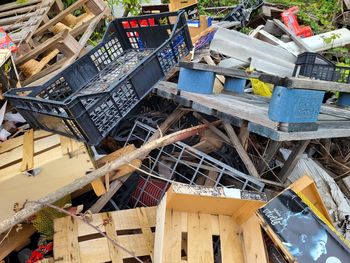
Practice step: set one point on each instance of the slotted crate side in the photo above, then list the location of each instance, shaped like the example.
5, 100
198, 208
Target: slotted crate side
75, 241
195, 224
64, 104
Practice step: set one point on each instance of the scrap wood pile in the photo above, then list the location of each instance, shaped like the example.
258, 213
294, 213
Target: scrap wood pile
176, 137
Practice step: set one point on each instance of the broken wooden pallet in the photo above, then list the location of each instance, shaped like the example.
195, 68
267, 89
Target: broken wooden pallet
193, 221
31, 167
21, 20
236, 108
133, 229
59, 41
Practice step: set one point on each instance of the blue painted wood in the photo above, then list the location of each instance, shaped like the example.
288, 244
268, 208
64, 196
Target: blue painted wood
295, 105
198, 81
344, 99
235, 84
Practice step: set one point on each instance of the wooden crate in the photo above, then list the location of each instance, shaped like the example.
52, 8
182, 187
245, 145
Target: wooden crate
75, 241
59, 41
190, 218
36, 164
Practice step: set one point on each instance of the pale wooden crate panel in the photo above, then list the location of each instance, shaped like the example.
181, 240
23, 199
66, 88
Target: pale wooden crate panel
188, 222
57, 161
76, 241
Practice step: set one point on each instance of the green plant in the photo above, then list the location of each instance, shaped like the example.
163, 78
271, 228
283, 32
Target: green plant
130, 6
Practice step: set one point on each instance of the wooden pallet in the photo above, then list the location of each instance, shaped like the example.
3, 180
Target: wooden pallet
75, 241
190, 218
32, 167
21, 20
333, 122
60, 40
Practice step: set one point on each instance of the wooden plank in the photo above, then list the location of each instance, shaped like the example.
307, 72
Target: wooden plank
42, 47
20, 18
240, 150
289, 82
146, 230
14, 5
292, 160
172, 231
16, 240
224, 103
59, 17
243, 135
17, 187
200, 244
115, 255
295, 38
66, 246
253, 241
231, 247
28, 151
16, 154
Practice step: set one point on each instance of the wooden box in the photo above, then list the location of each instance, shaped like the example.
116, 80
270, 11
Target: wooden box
35, 165
190, 220
75, 241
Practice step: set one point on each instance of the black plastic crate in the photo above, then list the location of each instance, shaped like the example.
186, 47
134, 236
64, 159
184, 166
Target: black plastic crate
89, 98
315, 66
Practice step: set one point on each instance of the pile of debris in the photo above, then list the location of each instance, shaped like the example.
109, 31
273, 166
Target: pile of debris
175, 138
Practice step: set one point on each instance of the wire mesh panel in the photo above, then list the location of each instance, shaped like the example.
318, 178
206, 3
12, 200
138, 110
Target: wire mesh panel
182, 163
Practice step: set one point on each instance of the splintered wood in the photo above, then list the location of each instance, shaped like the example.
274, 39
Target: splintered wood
133, 229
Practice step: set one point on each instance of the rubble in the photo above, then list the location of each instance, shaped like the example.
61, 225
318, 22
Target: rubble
173, 135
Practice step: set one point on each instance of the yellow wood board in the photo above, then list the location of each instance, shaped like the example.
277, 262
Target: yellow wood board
52, 168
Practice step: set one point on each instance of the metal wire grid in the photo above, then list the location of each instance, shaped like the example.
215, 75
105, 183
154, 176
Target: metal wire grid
180, 162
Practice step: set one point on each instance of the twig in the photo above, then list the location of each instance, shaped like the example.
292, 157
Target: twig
81, 218
262, 158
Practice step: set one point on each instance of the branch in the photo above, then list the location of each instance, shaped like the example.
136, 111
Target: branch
81, 182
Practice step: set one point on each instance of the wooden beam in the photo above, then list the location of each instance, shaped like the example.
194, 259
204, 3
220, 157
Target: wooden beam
59, 17
288, 82
295, 38
292, 160
240, 150
51, 43
244, 134
28, 151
